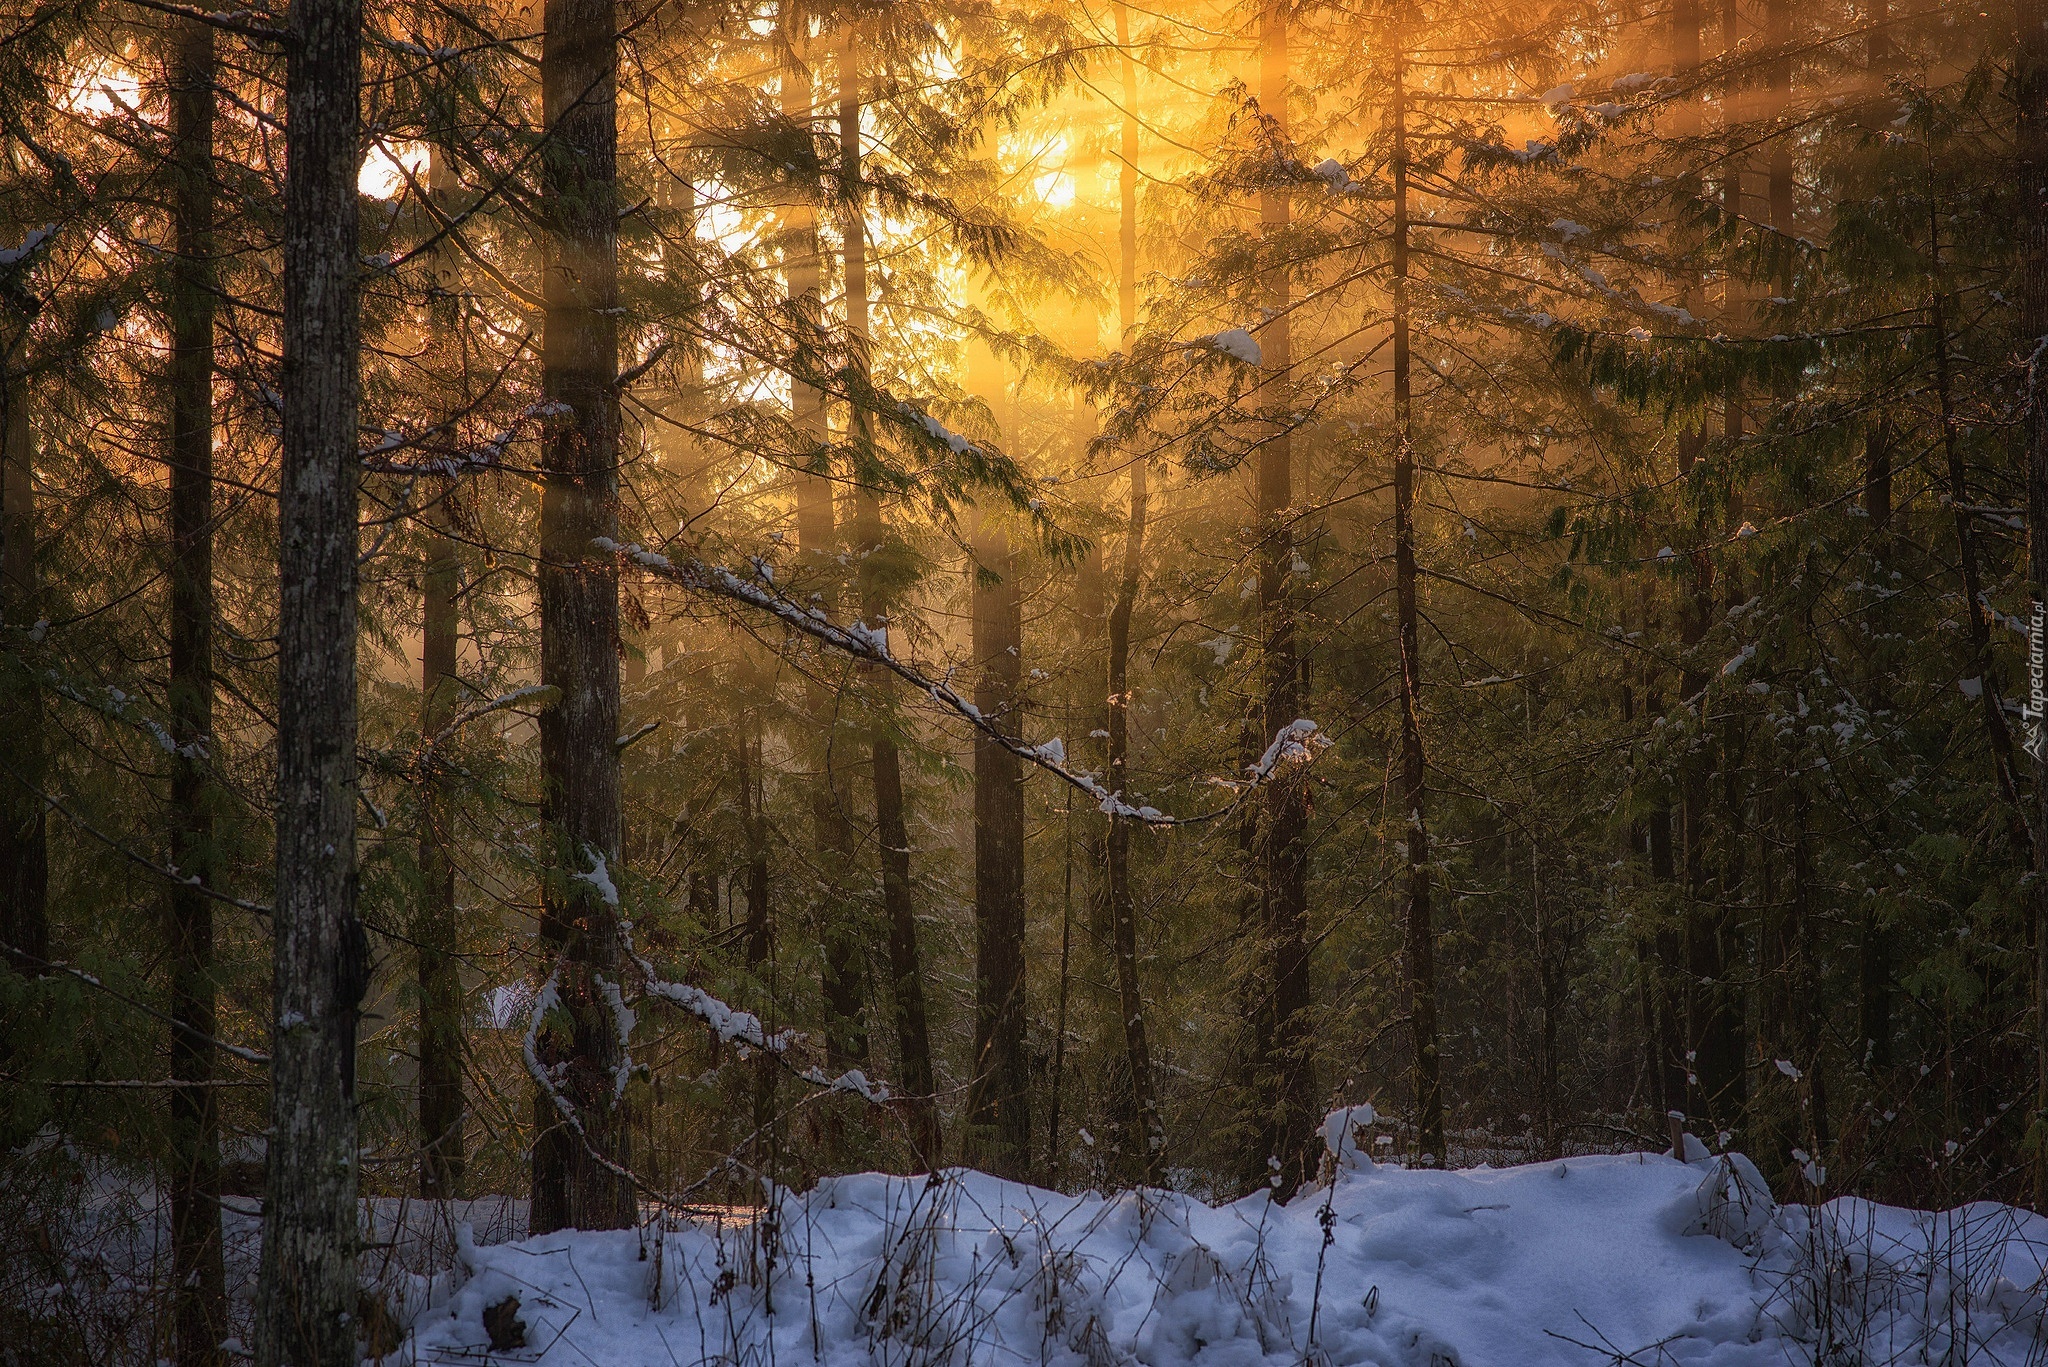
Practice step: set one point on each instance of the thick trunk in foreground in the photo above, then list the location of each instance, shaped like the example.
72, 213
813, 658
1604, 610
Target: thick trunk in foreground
578, 1160
1421, 940
306, 1299
1146, 1130
906, 968
198, 1273
999, 1091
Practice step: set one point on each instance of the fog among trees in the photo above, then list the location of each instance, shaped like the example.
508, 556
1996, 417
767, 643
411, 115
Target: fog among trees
607, 600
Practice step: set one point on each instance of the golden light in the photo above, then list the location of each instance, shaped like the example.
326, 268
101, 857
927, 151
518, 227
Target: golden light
1054, 188
102, 89
384, 170
1045, 161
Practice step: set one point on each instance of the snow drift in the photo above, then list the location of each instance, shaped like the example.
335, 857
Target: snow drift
1622, 1259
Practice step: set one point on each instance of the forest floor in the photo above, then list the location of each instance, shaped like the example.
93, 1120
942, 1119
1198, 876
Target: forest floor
1625, 1259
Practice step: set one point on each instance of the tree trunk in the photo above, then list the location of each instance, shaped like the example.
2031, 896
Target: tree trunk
198, 1272
846, 1031
306, 1298
442, 1116
1550, 983
1806, 974
759, 925
1731, 209
1874, 950
1667, 1000
577, 1163
442, 1119
1284, 1090
1713, 1017
24, 840
999, 1091
1147, 1130
1685, 61
1778, 79
1421, 944
2030, 95
906, 969
1997, 732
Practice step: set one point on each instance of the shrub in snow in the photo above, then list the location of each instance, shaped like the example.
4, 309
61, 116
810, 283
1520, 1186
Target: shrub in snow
1732, 1203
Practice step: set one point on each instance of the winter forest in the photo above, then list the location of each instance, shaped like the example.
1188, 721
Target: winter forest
943, 682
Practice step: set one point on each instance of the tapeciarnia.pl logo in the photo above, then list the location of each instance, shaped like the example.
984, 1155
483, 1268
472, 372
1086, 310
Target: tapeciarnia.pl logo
2035, 712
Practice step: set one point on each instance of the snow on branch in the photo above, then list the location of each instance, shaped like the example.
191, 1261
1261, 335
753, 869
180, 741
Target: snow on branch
381, 458
1296, 744
743, 1029
738, 1027
543, 693
118, 706
733, 1026
1235, 343
547, 999
728, 1023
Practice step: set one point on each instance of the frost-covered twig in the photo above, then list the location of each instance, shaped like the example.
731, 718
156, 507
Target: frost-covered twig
1296, 743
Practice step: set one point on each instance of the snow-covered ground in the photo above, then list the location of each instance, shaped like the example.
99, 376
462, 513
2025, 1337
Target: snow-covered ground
1632, 1259
1635, 1259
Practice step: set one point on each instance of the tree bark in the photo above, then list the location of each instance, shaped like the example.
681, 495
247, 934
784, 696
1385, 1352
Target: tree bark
1997, 732
759, 925
1874, 950
1123, 913
1806, 975
846, 1031
577, 1177
2030, 92
1778, 176
306, 1298
24, 839
439, 967
1421, 938
198, 1272
1666, 1016
906, 969
1713, 1024
1283, 1074
1731, 210
999, 1090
